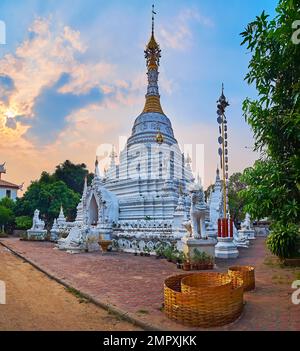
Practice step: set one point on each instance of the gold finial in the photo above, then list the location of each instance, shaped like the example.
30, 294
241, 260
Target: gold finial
152, 52
152, 55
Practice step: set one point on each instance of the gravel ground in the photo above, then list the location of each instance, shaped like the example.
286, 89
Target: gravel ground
35, 302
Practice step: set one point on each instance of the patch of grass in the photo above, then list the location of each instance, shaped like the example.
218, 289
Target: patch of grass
272, 261
77, 294
297, 274
3, 235
280, 279
115, 315
143, 311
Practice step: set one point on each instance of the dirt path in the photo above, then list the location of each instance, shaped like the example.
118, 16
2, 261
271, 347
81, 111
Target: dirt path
35, 302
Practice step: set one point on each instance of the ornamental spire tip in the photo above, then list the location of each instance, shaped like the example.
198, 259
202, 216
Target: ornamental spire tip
152, 56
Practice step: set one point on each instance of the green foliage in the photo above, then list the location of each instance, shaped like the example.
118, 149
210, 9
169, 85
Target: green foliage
23, 222
8, 203
48, 197
47, 178
273, 183
175, 254
159, 250
6, 216
283, 240
236, 202
63, 187
168, 252
181, 257
73, 175
202, 257
270, 193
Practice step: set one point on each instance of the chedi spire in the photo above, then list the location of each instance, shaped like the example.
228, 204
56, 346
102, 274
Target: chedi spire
152, 56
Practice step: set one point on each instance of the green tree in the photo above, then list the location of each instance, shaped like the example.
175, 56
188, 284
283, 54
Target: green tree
273, 183
48, 197
23, 222
47, 178
236, 202
6, 218
8, 203
63, 187
73, 175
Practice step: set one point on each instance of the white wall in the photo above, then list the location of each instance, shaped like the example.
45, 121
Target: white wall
13, 193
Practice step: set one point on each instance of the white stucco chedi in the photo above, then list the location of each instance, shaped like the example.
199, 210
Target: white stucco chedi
145, 198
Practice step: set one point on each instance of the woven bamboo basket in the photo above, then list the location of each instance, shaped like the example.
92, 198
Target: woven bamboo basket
246, 273
203, 299
206, 283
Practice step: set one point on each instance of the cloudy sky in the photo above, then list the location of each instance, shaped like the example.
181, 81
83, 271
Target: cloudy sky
72, 77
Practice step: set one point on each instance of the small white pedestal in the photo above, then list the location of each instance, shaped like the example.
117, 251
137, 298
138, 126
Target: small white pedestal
248, 233
203, 245
38, 235
226, 248
54, 235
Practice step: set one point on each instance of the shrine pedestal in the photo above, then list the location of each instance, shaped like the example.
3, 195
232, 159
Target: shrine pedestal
39, 235
226, 248
248, 233
203, 245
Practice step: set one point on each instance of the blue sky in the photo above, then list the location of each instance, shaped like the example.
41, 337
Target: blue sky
64, 112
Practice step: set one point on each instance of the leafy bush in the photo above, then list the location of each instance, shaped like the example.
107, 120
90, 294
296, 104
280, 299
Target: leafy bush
168, 252
202, 257
8, 203
181, 257
159, 251
6, 216
23, 222
283, 240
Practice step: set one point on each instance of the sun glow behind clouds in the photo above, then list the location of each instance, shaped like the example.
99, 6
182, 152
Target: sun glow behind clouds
10, 113
93, 55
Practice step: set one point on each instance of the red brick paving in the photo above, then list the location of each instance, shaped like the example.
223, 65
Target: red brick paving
135, 284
